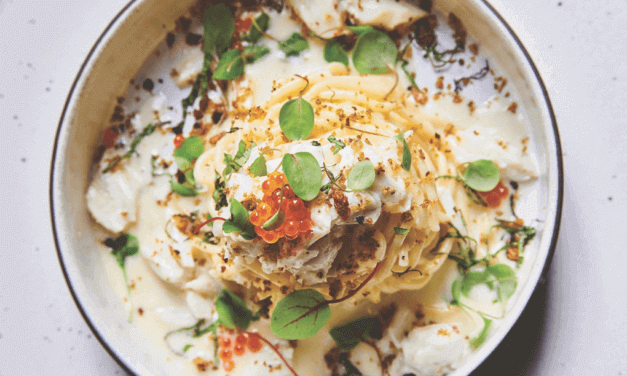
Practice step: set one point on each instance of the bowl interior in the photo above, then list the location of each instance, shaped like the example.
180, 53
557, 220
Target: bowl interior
120, 53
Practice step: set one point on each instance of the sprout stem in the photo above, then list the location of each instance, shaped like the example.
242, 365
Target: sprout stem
206, 223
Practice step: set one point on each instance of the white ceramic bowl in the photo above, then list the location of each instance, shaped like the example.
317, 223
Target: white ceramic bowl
115, 58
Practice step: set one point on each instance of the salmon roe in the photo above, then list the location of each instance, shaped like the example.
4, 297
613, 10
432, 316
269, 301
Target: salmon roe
254, 343
239, 350
494, 197
241, 340
178, 140
238, 345
226, 354
229, 365
296, 213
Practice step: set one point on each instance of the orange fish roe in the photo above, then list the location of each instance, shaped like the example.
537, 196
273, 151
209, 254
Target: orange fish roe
274, 181
238, 346
296, 213
228, 365
225, 342
494, 197
241, 340
239, 350
226, 354
254, 343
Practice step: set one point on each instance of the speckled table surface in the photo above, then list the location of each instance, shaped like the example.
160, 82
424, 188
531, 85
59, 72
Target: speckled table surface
574, 324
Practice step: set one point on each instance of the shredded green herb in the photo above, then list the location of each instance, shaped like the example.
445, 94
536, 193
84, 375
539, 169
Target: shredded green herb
294, 45
148, 130
464, 81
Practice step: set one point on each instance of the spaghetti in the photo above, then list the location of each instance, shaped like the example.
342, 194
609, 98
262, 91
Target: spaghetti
340, 256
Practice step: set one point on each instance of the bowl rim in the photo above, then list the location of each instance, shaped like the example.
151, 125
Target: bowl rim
89, 60
110, 30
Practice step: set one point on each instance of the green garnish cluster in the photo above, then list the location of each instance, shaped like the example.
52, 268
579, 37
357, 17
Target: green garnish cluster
148, 130
232, 314
184, 183
123, 246
239, 222
232, 63
486, 271
479, 176
373, 53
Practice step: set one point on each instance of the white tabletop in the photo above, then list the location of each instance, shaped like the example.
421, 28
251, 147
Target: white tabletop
575, 325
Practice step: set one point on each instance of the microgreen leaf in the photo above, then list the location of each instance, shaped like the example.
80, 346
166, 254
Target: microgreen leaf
278, 218
303, 174
275, 221
219, 27
472, 279
506, 276
361, 176
123, 246
183, 163
406, 161
254, 53
232, 310
187, 347
359, 30
254, 35
182, 189
294, 45
148, 130
191, 149
334, 51
401, 231
296, 119
482, 175
189, 177
259, 167
230, 165
300, 315
231, 65
347, 336
480, 338
337, 144
374, 53
239, 222
315, 143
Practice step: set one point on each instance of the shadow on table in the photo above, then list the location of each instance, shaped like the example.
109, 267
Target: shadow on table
517, 353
